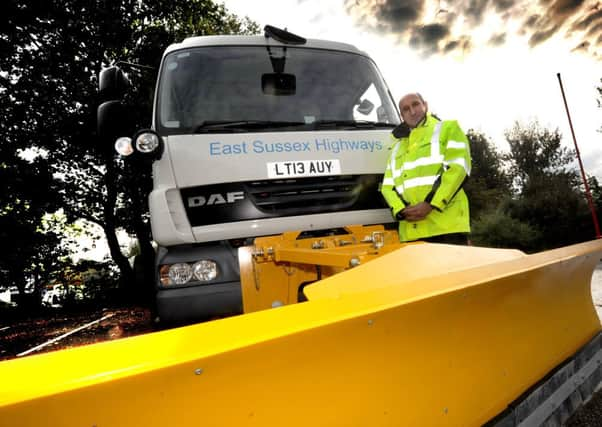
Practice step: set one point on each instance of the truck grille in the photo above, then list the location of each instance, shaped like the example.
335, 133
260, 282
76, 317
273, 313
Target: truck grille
242, 201
308, 194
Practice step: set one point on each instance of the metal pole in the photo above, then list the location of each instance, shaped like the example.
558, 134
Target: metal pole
583, 177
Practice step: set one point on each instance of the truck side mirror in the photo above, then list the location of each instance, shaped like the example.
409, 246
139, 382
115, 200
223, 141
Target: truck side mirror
111, 121
112, 83
112, 116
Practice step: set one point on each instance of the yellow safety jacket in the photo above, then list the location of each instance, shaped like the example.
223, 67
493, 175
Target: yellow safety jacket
429, 165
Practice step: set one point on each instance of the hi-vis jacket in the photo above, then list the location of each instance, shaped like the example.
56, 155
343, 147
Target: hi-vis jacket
429, 165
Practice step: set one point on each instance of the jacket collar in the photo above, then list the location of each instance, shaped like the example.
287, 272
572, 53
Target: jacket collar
425, 121
403, 130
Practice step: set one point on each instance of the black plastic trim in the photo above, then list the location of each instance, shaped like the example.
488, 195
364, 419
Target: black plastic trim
242, 201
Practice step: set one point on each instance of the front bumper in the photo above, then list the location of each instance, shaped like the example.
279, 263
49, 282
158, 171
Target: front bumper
198, 303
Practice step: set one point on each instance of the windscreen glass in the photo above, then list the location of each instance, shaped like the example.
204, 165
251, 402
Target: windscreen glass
206, 86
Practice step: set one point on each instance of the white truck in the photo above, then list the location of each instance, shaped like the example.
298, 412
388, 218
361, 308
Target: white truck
254, 136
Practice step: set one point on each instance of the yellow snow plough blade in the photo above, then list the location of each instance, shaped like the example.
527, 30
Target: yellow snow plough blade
424, 335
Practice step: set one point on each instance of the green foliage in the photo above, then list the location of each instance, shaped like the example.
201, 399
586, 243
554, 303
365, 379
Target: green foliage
488, 183
557, 208
596, 192
537, 152
498, 229
29, 253
548, 192
94, 281
538, 203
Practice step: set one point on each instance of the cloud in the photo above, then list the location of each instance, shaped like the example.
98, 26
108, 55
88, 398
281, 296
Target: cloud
592, 19
428, 35
531, 22
406, 19
556, 14
503, 5
542, 35
446, 26
399, 16
584, 47
463, 44
497, 39
474, 10
563, 7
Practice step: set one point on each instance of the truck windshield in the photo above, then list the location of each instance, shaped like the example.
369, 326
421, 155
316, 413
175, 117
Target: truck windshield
223, 88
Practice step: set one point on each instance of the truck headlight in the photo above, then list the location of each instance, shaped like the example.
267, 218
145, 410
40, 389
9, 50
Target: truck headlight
147, 142
123, 146
180, 273
205, 270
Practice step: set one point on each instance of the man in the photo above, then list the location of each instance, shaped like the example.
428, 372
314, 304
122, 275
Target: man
429, 161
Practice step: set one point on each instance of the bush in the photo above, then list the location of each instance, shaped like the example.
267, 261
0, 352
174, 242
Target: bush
499, 230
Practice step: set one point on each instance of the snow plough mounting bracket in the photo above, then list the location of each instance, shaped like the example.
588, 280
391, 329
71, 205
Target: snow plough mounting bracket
274, 271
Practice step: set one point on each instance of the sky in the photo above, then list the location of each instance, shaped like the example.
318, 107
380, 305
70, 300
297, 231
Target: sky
485, 63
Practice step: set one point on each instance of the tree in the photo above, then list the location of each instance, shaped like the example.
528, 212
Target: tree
548, 192
596, 195
488, 184
52, 52
28, 253
537, 152
596, 190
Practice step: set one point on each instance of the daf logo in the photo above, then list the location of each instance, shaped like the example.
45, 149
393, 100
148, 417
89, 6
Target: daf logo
215, 199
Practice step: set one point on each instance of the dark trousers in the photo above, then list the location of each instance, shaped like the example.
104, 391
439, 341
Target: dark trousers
450, 239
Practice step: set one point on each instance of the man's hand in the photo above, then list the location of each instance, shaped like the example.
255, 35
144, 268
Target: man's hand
417, 212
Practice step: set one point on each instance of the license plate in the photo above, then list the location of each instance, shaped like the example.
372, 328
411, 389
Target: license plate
303, 168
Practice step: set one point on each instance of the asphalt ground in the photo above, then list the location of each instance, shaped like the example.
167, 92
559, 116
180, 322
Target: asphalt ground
590, 414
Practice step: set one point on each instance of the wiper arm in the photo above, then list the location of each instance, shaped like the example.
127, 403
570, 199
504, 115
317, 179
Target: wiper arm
232, 126
241, 125
356, 124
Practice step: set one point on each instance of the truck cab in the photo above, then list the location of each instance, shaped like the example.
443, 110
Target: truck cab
255, 136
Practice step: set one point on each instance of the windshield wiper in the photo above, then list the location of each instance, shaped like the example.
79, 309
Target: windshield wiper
353, 124
241, 125
234, 126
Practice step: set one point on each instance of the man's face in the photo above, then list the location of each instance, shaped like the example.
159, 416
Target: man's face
413, 109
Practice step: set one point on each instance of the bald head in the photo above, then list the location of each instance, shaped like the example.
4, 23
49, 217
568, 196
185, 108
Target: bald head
413, 109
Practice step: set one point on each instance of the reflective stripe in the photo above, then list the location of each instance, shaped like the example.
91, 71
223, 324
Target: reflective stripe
435, 149
393, 155
417, 182
394, 171
460, 161
456, 144
424, 161
435, 159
